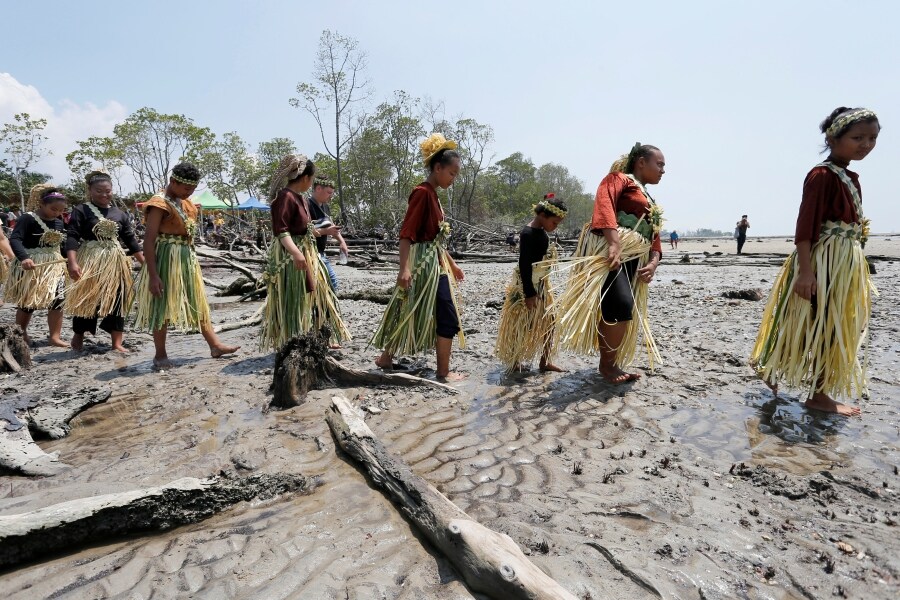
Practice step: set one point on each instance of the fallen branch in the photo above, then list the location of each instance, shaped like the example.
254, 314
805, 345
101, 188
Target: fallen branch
256, 319
14, 352
232, 264
490, 563
213, 285
48, 530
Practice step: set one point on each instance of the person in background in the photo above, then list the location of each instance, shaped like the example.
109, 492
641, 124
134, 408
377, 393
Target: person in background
323, 192
673, 240
741, 228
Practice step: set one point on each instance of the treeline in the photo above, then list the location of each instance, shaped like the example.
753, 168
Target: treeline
372, 153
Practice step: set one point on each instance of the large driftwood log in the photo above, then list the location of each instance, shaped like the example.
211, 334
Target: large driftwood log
230, 263
14, 352
49, 530
491, 563
303, 363
46, 415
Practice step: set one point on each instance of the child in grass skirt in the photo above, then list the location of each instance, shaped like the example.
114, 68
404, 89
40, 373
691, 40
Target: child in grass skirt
528, 319
422, 312
6, 256
816, 319
604, 305
170, 289
102, 288
38, 273
299, 294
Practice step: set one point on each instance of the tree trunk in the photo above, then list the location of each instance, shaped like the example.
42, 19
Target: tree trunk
490, 563
21, 193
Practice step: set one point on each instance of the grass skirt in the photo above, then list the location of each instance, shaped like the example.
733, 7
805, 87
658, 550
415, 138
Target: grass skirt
523, 334
183, 304
578, 306
38, 288
288, 310
408, 326
817, 347
4, 269
106, 285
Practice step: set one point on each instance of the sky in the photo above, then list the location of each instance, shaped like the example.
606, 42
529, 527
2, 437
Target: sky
732, 92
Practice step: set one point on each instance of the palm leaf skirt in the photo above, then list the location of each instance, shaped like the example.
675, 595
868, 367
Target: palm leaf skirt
288, 309
578, 306
183, 304
106, 285
38, 288
408, 326
523, 333
818, 347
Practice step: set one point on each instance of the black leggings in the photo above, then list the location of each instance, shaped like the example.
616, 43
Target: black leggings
445, 310
109, 323
617, 304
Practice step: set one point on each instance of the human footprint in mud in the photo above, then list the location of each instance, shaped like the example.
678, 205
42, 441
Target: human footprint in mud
818, 311
422, 312
170, 290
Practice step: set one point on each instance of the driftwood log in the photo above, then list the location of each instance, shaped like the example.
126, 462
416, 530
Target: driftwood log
67, 525
490, 563
256, 319
14, 352
303, 363
240, 268
44, 415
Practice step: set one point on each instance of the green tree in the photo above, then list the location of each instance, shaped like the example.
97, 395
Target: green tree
23, 141
268, 157
228, 167
9, 187
339, 87
401, 131
92, 153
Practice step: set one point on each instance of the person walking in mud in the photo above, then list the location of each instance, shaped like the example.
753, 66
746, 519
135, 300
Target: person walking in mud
170, 290
816, 319
605, 301
740, 230
423, 310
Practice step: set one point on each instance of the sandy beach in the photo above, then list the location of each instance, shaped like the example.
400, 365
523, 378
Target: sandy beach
696, 480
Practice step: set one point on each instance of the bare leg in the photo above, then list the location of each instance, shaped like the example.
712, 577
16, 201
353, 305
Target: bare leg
216, 348
611, 336
118, 337
54, 323
22, 320
385, 361
442, 349
161, 358
78, 342
547, 364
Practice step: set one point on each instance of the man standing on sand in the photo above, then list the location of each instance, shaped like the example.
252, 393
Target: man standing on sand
741, 229
673, 240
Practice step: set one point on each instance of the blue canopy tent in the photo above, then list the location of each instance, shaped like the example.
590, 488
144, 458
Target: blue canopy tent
252, 203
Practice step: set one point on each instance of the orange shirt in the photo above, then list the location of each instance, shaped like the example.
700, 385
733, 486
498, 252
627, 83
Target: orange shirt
171, 222
618, 192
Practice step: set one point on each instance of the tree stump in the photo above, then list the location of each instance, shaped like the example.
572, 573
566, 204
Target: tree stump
14, 352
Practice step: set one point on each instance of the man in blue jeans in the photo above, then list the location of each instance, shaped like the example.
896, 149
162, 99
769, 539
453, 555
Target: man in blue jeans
323, 191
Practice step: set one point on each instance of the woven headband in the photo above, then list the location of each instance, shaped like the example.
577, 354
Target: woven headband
53, 196
547, 207
848, 118
185, 180
98, 177
324, 182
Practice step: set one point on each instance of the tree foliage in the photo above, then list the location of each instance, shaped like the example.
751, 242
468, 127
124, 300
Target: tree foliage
22, 142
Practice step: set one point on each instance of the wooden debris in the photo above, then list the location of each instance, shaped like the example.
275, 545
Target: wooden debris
14, 352
490, 562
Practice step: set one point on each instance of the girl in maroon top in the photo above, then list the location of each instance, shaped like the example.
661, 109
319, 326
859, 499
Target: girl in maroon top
816, 319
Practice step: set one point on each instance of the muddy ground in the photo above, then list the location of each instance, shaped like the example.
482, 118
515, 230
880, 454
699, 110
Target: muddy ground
695, 479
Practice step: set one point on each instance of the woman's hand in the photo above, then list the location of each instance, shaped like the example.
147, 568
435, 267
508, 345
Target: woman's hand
156, 286
805, 285
299, 261
646, 273
457, 272
28, 264
74, 270
139, 257
404, 279
531, 302
615, 256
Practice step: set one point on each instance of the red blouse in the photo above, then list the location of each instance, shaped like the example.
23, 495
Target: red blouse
423, 215
825, 198
618, 192
289, 213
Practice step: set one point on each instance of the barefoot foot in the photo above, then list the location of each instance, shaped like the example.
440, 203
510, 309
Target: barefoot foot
222, 350
58, 342
614, 375
550, 367
823, 402
162, 363
451, 376
78, 342
384, 361
121, 348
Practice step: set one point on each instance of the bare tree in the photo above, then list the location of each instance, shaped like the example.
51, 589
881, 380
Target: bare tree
339, 87
23, 141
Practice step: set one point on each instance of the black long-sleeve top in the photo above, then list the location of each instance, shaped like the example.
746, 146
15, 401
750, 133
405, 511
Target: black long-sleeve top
82, 221
27, 234
533, 244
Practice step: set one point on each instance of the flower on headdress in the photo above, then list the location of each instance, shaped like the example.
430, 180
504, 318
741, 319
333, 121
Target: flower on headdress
434, 144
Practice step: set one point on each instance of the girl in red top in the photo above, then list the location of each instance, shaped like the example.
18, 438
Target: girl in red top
422, 313
816, 319
605, 302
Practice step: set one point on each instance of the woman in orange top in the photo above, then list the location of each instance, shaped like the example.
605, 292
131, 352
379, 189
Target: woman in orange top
170, 290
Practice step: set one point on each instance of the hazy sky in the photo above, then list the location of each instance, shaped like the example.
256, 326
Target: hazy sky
731, 91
